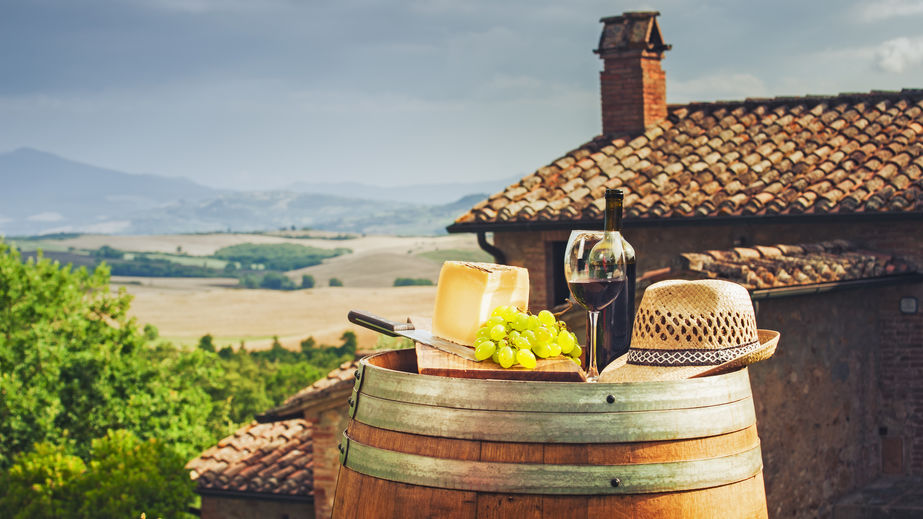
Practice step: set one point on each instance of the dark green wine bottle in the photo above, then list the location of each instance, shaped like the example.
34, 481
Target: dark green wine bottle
615, 320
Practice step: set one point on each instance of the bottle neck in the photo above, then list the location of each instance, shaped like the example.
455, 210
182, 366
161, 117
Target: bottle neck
613, 215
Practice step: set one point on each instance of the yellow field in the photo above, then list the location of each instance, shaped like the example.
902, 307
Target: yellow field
184, 309
229, 314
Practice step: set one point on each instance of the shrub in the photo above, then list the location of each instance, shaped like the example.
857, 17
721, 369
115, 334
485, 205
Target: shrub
335, 282
276, 281
407, 282
307, 281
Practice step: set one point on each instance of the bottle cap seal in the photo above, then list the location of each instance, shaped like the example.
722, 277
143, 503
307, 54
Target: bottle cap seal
614, 193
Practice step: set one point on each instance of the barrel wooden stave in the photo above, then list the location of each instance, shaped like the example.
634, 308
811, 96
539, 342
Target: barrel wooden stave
360, 495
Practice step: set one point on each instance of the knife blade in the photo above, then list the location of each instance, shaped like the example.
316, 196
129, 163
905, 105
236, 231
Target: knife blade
395, 328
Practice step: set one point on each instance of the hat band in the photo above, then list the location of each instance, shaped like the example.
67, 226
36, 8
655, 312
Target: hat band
656, 357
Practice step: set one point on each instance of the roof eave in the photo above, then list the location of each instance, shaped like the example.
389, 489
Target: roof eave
818, 288
308, 406
258, 496
685, 221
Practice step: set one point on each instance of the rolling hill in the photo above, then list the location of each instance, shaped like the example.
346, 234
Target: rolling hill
44, 193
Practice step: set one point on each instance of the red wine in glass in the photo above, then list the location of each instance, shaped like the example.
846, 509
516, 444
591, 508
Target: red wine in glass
596, 294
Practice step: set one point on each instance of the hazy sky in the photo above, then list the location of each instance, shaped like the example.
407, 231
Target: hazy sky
261, 93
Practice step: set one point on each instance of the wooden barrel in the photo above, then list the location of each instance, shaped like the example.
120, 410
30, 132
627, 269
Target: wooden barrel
426, 446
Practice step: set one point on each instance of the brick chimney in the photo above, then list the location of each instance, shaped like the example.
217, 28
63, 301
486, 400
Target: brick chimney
632, 84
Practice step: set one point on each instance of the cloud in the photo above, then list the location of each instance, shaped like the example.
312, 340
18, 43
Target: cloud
47, 216
884, 9
209, 6
722, 85
898, 54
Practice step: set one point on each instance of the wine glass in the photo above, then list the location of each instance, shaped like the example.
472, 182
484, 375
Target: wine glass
594, 267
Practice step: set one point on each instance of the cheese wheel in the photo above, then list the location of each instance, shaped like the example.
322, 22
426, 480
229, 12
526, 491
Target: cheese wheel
467, 292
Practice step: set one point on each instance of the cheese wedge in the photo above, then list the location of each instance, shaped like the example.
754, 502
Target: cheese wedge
467, 292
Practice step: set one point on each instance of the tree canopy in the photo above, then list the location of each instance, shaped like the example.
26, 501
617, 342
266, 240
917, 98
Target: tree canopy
82, 385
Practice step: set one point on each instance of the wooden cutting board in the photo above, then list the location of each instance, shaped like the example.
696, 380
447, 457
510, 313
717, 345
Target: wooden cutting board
431, 361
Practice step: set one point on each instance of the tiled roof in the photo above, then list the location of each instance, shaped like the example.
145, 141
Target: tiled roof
844, 154
777, 266
337, 383
274, 458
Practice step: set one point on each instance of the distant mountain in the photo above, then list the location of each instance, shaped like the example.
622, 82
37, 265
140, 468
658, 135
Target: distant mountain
43, 193
40, 192
432, 194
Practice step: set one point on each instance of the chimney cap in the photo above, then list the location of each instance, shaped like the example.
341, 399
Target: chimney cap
631, 31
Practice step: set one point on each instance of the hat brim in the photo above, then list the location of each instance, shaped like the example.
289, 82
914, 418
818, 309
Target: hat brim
620, 371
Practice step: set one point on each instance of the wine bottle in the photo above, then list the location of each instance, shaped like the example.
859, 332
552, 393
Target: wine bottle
614, 332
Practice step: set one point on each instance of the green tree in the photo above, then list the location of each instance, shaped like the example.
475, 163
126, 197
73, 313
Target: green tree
335, 282
73, 365
127, 476
124, 477
206, 343
41, 484
307, 281
276, 281
151, 333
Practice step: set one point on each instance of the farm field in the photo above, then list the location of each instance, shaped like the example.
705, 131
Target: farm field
184, 309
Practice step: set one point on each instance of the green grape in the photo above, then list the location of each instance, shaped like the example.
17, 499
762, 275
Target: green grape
577, 351
522, 343
497, 332
543, 335
534, 322
555, 349
494, 321
547, 318
483, 331
526, 358
543, 350
521, 322
506, 356
496, 356
529, 335
484, 350
509, 313
498, 312
479, 340
513, 335
565, 341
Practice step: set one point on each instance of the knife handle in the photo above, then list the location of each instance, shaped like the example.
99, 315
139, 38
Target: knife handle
378, 324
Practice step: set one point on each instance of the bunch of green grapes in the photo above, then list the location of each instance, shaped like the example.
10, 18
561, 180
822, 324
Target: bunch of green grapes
510, 337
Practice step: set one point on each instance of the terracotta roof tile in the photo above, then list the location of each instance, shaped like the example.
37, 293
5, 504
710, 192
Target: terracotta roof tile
259, 458
790, 265
851, 153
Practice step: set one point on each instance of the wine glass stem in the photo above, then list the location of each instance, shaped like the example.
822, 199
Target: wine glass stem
592, 371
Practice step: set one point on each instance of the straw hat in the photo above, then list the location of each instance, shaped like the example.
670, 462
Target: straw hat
686, 329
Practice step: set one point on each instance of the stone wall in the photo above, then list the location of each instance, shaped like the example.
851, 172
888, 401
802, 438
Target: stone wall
901, 384
328, 427
817, 400
231, 508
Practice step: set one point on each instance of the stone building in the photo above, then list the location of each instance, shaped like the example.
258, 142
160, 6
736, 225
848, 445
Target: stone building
711, 190
841, 404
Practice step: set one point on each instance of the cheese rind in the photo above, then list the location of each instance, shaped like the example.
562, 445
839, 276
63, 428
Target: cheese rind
467, 292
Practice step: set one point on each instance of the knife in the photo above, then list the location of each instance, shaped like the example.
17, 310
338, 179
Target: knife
394, 329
